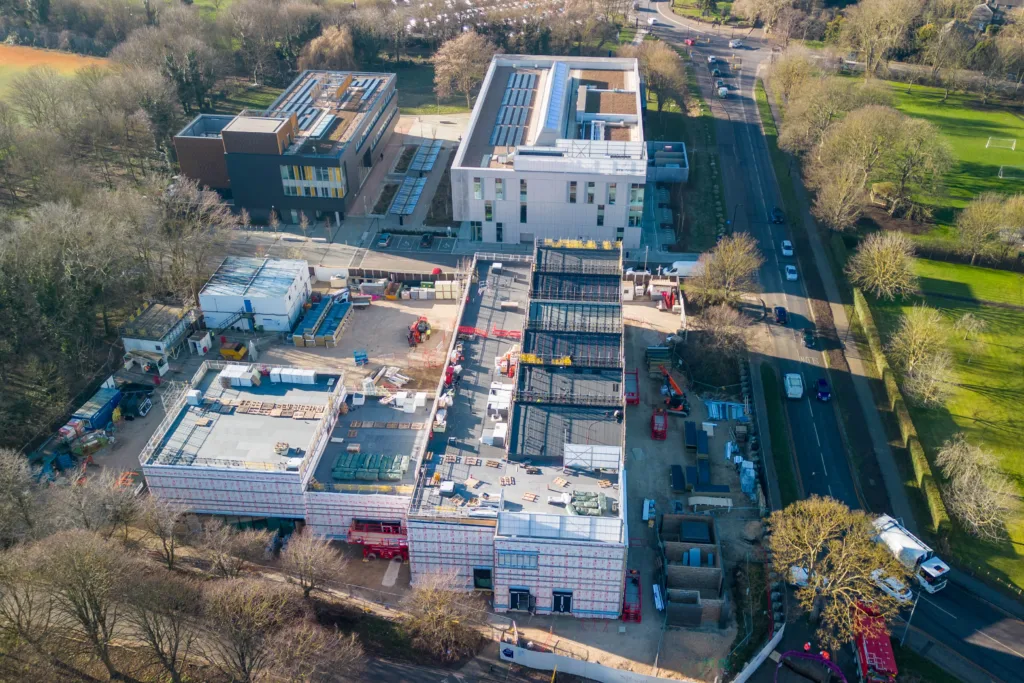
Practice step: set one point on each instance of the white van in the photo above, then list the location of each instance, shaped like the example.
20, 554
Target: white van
735, 43
723, 92
652, 21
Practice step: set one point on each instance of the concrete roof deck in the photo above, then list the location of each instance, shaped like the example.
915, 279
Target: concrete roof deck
254, 277
202, 437
392, 432
255, 124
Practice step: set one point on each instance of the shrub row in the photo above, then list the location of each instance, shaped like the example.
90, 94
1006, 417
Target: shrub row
924, 477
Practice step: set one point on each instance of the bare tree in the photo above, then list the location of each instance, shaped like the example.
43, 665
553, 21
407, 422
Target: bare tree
28, 615
727, 270
20, 499
920, 336
163, 611
916, 162
440, 616
460, 64
862, 140
310, 562
790, 70
835, 548
718, 339
878, 27
662, 70
310, 653
884, 265
931, 383
244, 618
949, 52
977, 493
332, 49
86, 576
160, 518
839, 195
765, 11
980, 225
820, 104
970, 325
230, 550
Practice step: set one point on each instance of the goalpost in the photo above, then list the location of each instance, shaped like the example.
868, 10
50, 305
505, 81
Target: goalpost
1002, 143
1011, 172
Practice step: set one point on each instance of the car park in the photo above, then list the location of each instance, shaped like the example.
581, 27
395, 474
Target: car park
791, 273
427, 240
787, 248
781, 315
778, 216
384, 240
824, 392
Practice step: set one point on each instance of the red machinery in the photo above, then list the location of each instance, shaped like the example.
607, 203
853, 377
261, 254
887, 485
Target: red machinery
387, 551
659, 424
419, 331
372, 532
632, 387
876, 662
631, 600
675, 397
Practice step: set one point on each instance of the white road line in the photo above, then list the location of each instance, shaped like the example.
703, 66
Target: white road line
822, 456
816, 434
933, 604
997, 642
830, 490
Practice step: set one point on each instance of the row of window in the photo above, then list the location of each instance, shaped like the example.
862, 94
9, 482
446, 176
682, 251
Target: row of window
313, 181
327, 174
376, 117
313, 191
499, 189
477, 229
636, 195
383, 129
489, 213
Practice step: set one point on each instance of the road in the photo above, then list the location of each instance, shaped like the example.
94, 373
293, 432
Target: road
988, 642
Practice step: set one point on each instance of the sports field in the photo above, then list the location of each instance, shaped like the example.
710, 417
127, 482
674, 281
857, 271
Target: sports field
967, 126
989, 386
16, 60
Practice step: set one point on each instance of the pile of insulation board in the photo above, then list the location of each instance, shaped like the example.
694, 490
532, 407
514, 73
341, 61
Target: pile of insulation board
333, 325
442, 289
369, 467
589, 504
305, 331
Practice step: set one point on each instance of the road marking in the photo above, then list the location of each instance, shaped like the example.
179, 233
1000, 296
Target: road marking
830, 490
822, 456
935, 605
391, 575
997, 642
816, 434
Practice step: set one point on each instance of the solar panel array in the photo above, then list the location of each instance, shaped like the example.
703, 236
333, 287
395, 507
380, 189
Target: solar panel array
559, 80
425, 157
407, 196
510, 125
301, 103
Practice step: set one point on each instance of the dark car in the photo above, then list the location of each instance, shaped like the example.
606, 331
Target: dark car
809, 337
781, 316
716, 72
426, 240
824, 392
778, 217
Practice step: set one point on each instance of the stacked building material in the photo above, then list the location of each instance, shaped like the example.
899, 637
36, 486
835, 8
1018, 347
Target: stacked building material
333, 325
370, 467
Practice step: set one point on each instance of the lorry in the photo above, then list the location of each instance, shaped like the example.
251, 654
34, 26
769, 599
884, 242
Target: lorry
876, 661
929, 570
794, 384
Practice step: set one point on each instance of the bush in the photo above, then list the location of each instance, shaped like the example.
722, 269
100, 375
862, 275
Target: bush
867, 321
892, 390
918, 460
907, 428
936, 508
839, 249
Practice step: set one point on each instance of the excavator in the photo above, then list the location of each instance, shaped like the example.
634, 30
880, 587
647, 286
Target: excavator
675, 397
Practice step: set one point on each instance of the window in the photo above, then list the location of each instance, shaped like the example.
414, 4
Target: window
308, 191
488, 210
522, 189
618, 234
600, 215
590, 192
478, 189
572, 191
286, 173
477, 228
517, 559
519, 599
322, 174
612, 189
561, 602
498, 236
499, 188
636, 194
522, 213
482, 578
307, 172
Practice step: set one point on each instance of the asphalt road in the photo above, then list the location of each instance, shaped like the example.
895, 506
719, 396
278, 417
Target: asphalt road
980, 634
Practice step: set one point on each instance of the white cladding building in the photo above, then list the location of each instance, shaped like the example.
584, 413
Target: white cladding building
247, 292
555, 149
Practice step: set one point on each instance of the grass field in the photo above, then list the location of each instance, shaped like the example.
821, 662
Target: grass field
688, 8
989, 378
416, 90
967, 126
16, 60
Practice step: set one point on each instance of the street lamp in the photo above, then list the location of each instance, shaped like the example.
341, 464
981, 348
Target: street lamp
912, 609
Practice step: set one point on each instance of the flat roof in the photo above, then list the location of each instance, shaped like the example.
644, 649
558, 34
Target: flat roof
597, 261
587, 349
568, 385
227, 430
255, 124
154, 322
610, 102
254, 277
575, 317
380, 430
576, 287
541, 431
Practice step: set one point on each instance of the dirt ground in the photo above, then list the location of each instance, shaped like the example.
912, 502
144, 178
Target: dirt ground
382, 331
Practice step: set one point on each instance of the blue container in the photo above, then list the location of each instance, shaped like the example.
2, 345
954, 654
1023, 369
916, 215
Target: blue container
98, 410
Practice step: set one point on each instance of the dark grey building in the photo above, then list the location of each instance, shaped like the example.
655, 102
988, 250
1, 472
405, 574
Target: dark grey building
310, 151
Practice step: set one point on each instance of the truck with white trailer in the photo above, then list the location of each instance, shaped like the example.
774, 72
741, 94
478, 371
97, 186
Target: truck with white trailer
794, 386
930, 571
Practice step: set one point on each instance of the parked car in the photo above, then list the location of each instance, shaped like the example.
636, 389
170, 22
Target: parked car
720, 83
384, 240
809, 337
778, 216
735, 43
892, 587
426, 240
787, 248
716, 72
689, 42
652, 22
791, 274
637, 271
781, 315
712, 59
824, 393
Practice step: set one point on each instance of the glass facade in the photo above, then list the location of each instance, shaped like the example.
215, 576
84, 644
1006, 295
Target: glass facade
313, 181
